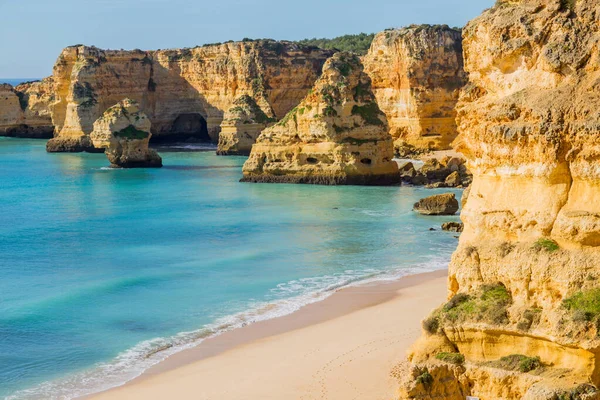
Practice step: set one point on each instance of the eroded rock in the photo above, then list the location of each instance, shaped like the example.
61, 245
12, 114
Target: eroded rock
336, 135
439, 204
124, 132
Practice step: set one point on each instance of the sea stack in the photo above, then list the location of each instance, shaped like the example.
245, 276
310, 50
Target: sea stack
416, 75
241, 126
524, 283
124, 131
337, 135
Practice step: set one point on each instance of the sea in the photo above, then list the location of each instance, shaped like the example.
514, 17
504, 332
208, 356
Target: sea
105, 272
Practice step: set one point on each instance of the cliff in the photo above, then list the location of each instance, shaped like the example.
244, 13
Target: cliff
25, 109
416, 74
241, 126
523, 316
184, 92
336, 135
124, 132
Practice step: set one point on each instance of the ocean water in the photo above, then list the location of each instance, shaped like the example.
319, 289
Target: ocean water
15, 82
105, 272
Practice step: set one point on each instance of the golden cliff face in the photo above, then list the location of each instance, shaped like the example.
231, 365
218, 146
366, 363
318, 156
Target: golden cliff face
416, 75
184, 92
25, 109
336, 135
525, 279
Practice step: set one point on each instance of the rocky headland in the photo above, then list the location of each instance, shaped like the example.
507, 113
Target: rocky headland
336, 135
416, 75
184, 92
25, 109
522, 319
124, 132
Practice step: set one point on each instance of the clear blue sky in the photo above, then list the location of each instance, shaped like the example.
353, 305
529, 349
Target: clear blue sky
33, 32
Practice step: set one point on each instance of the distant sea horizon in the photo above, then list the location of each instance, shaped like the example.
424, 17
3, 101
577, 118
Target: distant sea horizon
17, 81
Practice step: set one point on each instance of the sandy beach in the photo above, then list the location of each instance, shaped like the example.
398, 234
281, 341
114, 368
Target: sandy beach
344, 347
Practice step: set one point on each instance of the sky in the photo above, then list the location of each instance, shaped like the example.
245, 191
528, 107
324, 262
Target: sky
34, 32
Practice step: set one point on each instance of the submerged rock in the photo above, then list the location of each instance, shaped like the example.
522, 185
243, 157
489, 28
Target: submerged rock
439, 204
241, 126
124, 132
337, 135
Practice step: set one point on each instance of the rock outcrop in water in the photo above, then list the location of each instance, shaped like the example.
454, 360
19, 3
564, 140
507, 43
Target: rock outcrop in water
336, 135
184, 92
416, 75
124, 131
25, 109
241, 126
524, 282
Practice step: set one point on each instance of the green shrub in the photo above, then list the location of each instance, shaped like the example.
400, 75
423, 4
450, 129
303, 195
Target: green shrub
517, 362
358, 44
131, 132
431, 325
546, 244
456, 300
452, 358
425, 378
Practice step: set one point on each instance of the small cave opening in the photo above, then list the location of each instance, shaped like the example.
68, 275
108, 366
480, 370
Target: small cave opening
366, 161
190, 127
312, 160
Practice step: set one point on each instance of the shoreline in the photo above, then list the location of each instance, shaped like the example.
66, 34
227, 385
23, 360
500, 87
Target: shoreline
211, 360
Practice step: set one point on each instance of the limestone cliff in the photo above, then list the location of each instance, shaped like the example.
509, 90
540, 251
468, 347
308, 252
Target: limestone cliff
524, 283
184, 92
241, 126
336, 135
25, 109
124, 131
416, 75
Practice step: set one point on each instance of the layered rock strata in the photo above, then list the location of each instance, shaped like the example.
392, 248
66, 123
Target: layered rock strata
25, 109
416, 75
184, 92
524, 283
336, 135
124, 132
241, 126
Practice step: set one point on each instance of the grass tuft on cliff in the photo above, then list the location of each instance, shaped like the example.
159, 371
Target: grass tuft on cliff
517, 362
452, 358
546, 244
132, 133
369, 112
584, 305
489, 304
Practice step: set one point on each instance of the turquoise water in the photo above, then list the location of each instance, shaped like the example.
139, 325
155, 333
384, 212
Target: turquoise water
106, 272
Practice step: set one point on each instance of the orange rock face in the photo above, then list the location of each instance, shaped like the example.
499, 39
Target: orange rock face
184, 92
25, 109
416, 74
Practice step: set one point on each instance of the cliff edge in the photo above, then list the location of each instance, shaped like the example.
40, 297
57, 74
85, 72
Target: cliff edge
523, 316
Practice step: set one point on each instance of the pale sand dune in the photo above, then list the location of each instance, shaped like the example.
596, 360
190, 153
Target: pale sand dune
342, 348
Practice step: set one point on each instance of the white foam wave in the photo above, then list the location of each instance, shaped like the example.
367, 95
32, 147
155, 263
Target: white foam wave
282, 300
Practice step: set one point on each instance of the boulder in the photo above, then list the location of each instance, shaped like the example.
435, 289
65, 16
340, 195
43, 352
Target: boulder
439, 204
124, 132
453, 226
